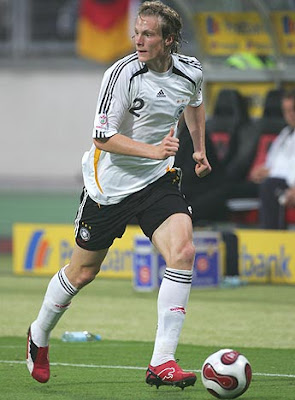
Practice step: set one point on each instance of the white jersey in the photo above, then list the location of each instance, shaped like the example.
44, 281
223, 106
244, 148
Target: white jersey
280, 158
142, 105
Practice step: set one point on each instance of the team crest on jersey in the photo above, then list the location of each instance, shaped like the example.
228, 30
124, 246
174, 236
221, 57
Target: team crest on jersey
102, 121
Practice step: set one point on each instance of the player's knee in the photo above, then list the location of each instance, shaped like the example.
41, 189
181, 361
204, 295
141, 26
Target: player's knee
186, 254
85, 275
189, 252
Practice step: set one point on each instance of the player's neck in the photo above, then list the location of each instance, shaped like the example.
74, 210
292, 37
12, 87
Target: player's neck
160, 64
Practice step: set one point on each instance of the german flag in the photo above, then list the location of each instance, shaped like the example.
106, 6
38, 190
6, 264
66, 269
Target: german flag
103, 31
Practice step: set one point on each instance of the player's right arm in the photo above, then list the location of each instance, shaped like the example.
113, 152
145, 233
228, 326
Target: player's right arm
120, 144
113, 102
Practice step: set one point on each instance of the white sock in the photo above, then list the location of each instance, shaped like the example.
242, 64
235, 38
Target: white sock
172, 300
56, 301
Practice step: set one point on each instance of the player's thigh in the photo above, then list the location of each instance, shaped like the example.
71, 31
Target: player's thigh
84, 265
173, 239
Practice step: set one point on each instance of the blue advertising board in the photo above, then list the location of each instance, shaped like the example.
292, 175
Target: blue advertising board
149, 266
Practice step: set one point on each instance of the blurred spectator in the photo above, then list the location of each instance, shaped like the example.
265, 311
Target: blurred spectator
276, 177
290, 197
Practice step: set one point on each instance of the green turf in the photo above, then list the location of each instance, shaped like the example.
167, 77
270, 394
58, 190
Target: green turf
249, 316
257, 320
90, 372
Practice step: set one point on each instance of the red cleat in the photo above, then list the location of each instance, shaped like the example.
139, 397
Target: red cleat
37, 360
171, 374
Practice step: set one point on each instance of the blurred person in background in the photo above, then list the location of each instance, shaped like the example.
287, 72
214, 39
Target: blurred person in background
129, 172
276, 178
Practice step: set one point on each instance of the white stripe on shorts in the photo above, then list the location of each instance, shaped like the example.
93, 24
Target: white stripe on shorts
80, 210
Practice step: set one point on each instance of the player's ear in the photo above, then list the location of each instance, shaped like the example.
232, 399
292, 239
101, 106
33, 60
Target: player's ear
169, 40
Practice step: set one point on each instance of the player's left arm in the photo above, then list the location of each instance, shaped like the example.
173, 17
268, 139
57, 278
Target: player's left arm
195, 121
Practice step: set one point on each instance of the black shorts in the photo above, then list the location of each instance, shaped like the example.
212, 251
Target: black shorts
97, 226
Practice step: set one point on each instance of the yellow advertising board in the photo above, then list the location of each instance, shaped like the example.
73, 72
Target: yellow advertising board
266, 256
254, 92
225, 33
284, 26
42, 249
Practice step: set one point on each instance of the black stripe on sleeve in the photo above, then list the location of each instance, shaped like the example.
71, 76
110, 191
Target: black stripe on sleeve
107, 97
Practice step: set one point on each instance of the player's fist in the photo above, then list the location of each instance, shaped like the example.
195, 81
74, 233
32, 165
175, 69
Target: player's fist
202, 167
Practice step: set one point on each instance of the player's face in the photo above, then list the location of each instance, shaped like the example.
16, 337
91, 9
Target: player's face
151, 48
288, 106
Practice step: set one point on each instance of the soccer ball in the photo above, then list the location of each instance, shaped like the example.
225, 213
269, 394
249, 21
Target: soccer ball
226, 374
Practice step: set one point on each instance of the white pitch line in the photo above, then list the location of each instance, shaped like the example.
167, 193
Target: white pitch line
275, 375
134, 368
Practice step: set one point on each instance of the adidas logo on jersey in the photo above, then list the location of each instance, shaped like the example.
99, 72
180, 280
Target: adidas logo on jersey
161, 93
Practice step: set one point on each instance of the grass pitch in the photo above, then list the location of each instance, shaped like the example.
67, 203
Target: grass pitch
259, 321
115, 370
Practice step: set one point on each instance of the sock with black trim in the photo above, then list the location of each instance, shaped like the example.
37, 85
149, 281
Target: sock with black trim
172, 300
57, 300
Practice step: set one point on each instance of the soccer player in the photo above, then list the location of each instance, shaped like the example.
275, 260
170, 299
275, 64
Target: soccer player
129, 172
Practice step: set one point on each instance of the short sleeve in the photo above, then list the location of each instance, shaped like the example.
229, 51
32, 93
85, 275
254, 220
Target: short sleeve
197, 99
112, 103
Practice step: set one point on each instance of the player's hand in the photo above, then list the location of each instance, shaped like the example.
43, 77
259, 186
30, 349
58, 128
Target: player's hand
290, 197
168, 147
202, 167
259, 173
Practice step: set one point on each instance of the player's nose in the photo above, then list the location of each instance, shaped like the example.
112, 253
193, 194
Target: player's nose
138, 39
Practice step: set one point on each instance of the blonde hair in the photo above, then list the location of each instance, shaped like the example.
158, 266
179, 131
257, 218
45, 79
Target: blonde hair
171, 23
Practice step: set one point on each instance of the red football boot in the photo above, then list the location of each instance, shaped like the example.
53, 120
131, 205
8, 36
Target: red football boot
37, 360
169, 373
